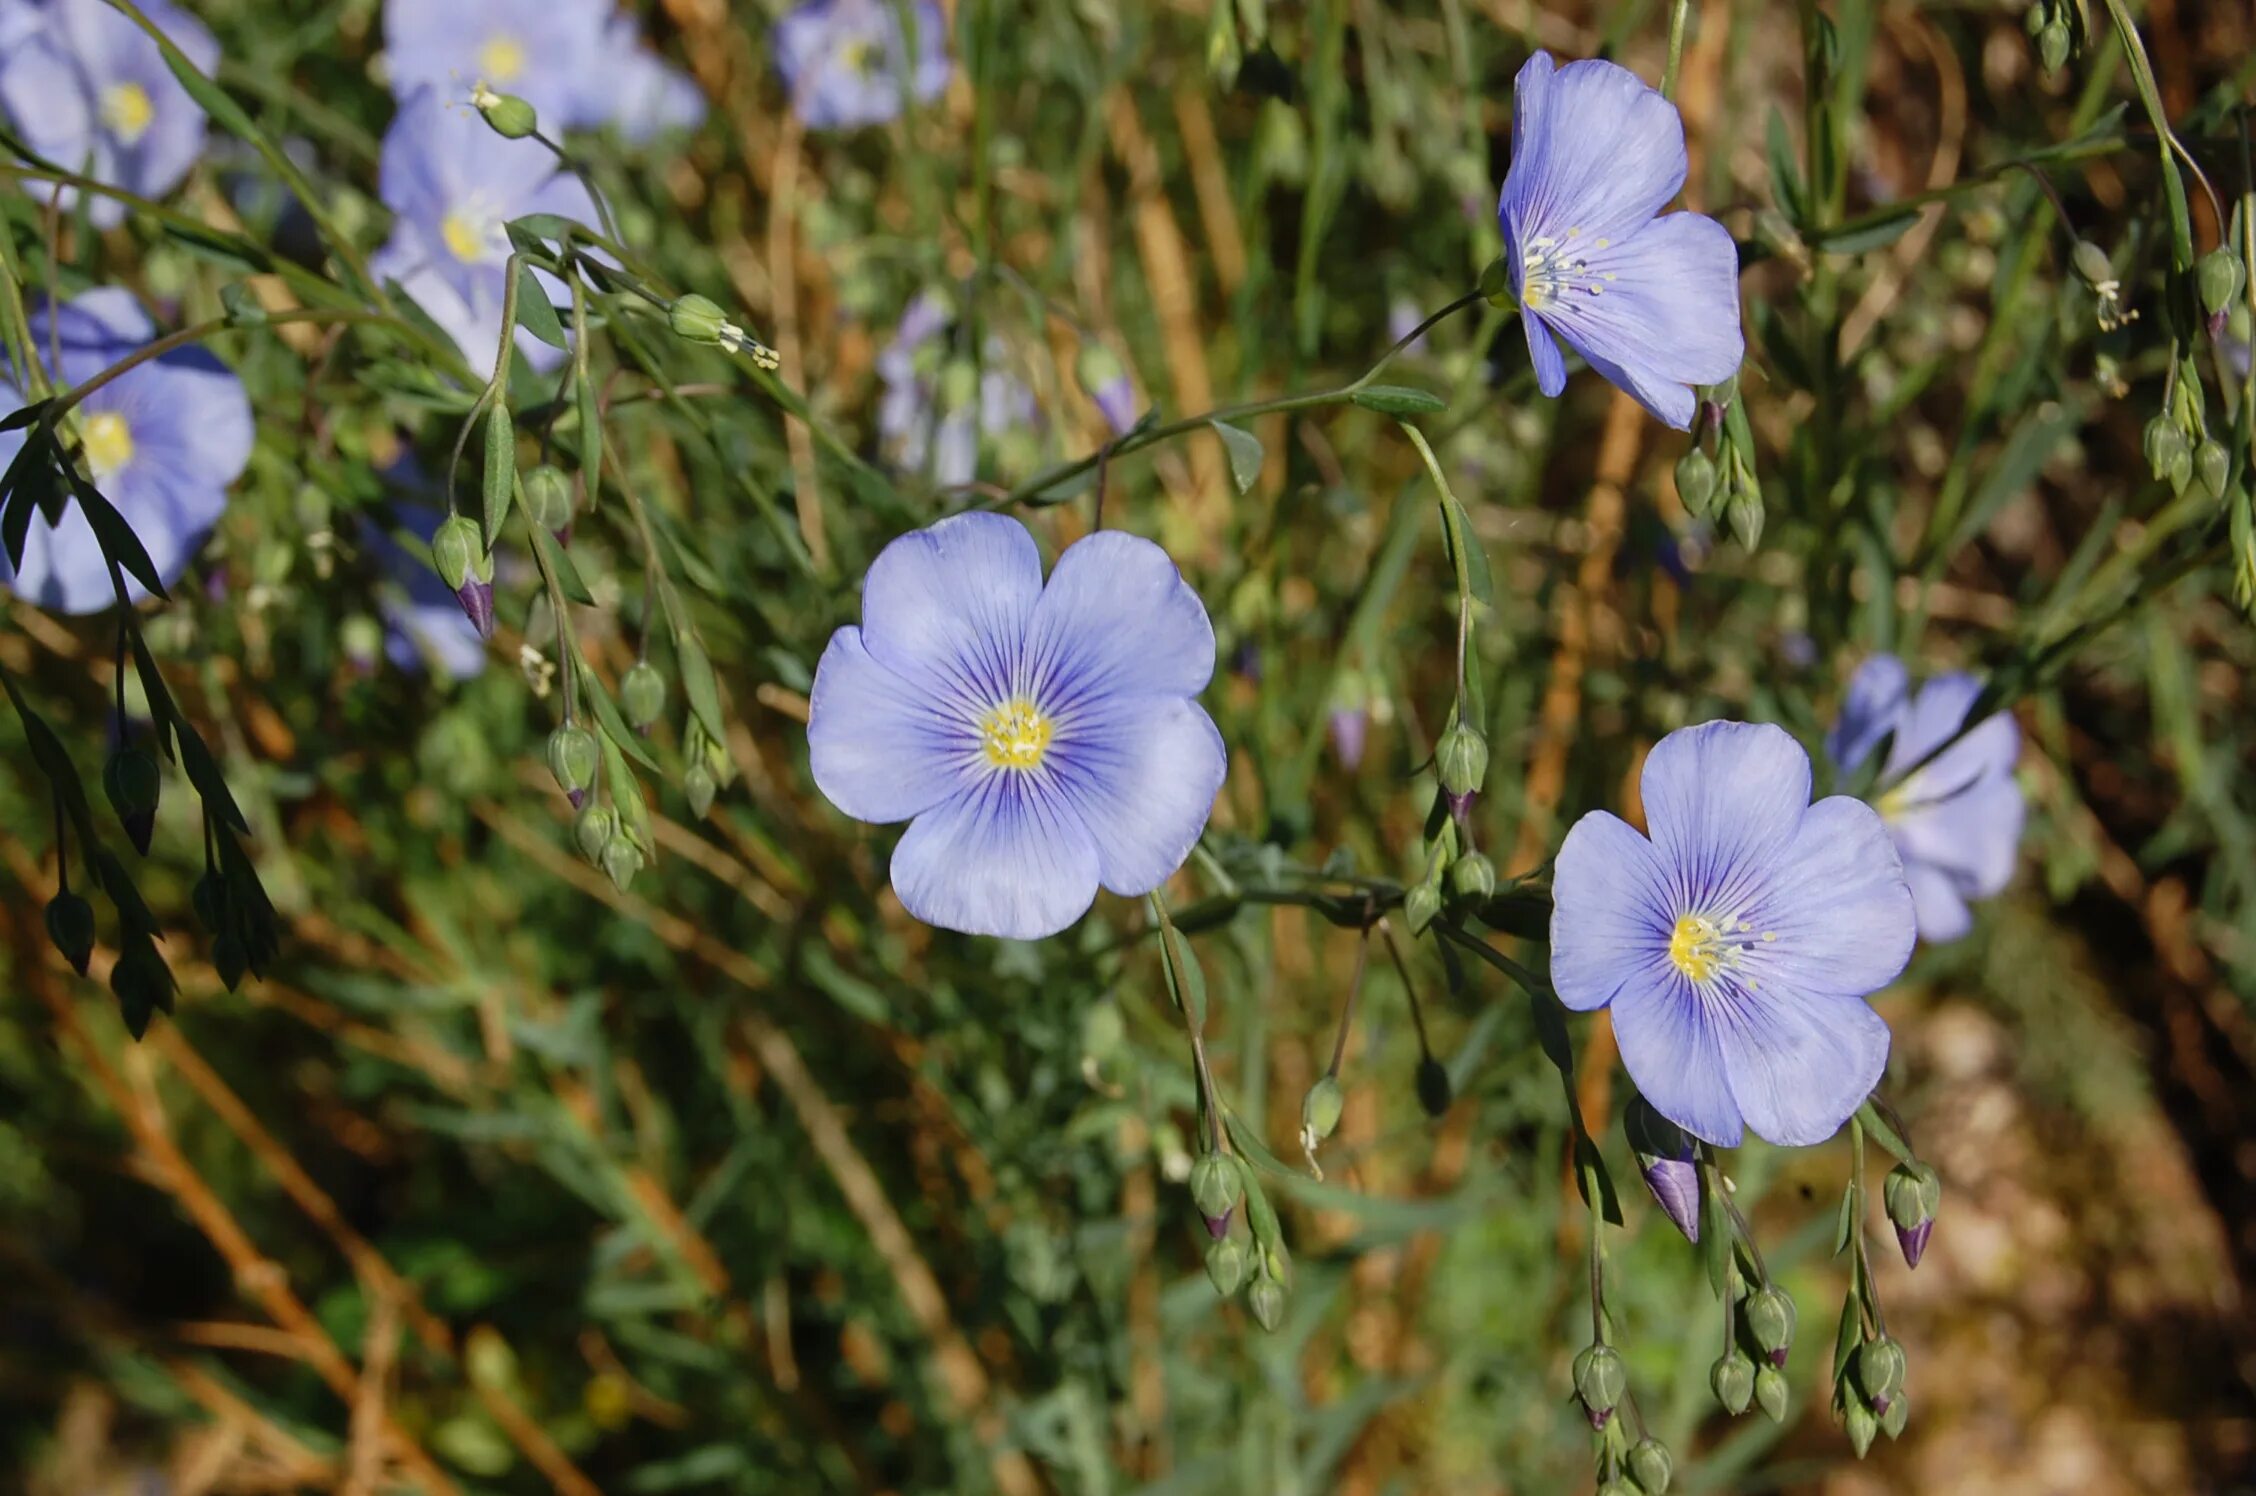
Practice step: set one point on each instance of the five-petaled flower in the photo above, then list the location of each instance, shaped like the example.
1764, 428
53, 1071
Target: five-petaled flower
847, 63
1650, 302
1041, 740
1737, 945
581, 64
1956, 818
162, 443
89, 90
455, 185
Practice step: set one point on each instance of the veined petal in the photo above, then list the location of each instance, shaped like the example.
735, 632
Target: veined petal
1868, 712
1004, 857
1722, 801
1594, 149
1656, 312
948, 606
1671, 1047
1836, 918
1973, 835
1117, 619
1943, 915
882, 747
1543, 352
1799, 1062
1142, 773
1610, 914
1935, 713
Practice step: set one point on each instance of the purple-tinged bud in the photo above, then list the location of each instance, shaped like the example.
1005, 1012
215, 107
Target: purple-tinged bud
1461, 806
1664, 1156
1914, 1242
1913, 1195
1770, 1320
476, 598
572, 757
1461, 762
1600, 1379
1350, 730
1215, 1187
1895, 1416
1218, 1226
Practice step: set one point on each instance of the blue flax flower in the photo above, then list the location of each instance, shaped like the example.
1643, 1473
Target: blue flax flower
162, 441
453, 184
1040, 740
423, 620
1956, 819
1650, 302
87, 89
847, 63
928, 409
579, 63
1737, 945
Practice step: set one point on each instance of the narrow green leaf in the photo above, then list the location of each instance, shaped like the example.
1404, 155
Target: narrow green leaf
1245, 453
1844, 1225
700, 685
501, 469
117, 539
560, 562
615, 729
1785, 177
1398, 400
1864, 238
1846, 1338
1476, 558
1253, 1150
535, 313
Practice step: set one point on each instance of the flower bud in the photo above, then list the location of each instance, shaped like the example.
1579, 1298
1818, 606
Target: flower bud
142, 983
131, 780
1600, 1378
2212, 464
1496, 284
548, 493
593, 831
1664, 1156
1461, 759
1267, 1301
1862, 1426
511, 117
699, 319
2093, 268
642, 694
1695, 480
1225, 1265
1913, 1195
1320, 1112
1215, 1186
1732, 1379
2219, 278
1473, 876
2163, 443
1880, 1369
1107, 385
1651, 1467
70, 925
2053, 45
1770, 1393
572, 758
2181, 466
622, 859
1350, 730
1770, 1319
1419, 906
1899, 1413
698, 788
477, 599
1434, 1088
458, 552
1744, 512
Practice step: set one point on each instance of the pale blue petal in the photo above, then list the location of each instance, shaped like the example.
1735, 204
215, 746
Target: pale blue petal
1141, 773
1973, 835
1611, 913
1799, 1063
1593, 149
63, 570
1935, 715
1723, 801
1543, 352
1117, 619
1943, 915
1671, 1049
949, 605
1875, 697
882, 746
1656, 312
1001, 858
636, 91
1836, 905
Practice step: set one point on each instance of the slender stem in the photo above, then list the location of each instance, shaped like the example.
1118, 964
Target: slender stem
1347, 1009
1677, 11
172, 342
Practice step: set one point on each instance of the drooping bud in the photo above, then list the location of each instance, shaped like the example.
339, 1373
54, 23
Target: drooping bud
1434, 1088
1880, 1370
1461, 759
622, 859
1899, 1413
572, 758
548, 493
1496, 284
2053, 46
511, 117
477, 599
1770, 1393
142, 982
2212, 464
1473, 876
1215, 1187
1695, 481
70, 925
1350, 730
1744, 513
593, 830
2219, 279
1266, 1298
2094, 269
642, 694
1664, 1156
2164, 445
698, 788
1419, 906
1105, 380
1770, 1319
699, 319
1225, 1265
1320, 1112
1862, 1425
1651, 1467
457, 551
1913, 1196
132, 781
1600, 1378
1732, 1380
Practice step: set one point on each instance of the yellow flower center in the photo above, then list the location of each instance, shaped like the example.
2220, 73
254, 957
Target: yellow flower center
127, 111
465, 236
1015, 735
1697, 947
502, 58
108, 442
1550, 268
1893, 803
859, 55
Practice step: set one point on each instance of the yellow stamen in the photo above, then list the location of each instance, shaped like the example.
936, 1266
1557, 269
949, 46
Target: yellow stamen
1697, 947
502, 58
127, 111
108, 442
465, 237
1015, 735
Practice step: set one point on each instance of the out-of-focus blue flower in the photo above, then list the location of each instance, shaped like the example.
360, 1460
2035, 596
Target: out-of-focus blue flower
922, 413
1650, 302
1956, 820
1737, 945
1041, 740
423, 621
847, 63
162, 441
88, 90
453, 184
580, 63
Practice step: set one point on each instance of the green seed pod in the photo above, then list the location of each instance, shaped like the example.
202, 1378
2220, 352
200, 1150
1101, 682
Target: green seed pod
2164, 445
1862, 1425
1899, 1413
1225, 1265
1320, 1111
1473, 876
1696, 480
548, 493
1732, 1379
698, 788
1419, 906
572, 757
1461, 759
2092, 267
2053, 46
1770, 1393
1880, 1368
2219, 278
1770, 1319
142, 982
642, 694
593, 831
622, 859
511, 117
2181, 466
698, 319
458, 553
1600, 1378
1651, 1467
70, 925
1744, 512
1267, 1301
1215, 1185
131, 779
2212, 464
1435, 1090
